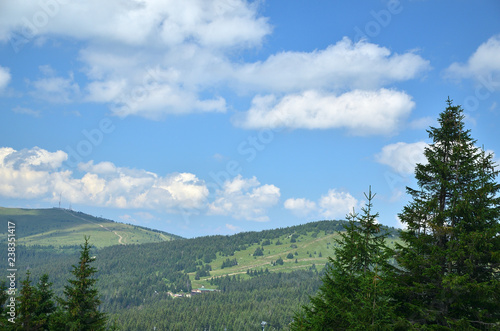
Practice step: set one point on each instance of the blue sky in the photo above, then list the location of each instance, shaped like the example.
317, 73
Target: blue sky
201, 118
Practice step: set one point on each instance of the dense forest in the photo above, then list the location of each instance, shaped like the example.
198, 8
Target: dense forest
141, 275
241, 305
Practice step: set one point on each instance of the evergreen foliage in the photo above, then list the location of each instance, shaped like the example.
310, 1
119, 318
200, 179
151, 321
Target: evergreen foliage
450, 262
26, 305
4, 323
45, 305
241, 305
355, 294
258, 252
229, 263
81, 303
35, 304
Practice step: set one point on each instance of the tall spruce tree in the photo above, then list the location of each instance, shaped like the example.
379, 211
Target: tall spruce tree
354, 294
26, 305
45, 305
80, 309
449, 261
35, 304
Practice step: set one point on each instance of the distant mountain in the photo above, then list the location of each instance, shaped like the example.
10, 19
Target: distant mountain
59, 227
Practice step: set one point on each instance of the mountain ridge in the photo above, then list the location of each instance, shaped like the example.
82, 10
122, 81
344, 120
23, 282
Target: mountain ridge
61, 227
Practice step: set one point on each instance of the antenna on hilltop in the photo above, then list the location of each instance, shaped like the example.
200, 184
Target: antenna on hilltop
60, 196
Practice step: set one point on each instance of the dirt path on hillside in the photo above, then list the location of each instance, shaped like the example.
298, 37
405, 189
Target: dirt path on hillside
266, 261
120, 238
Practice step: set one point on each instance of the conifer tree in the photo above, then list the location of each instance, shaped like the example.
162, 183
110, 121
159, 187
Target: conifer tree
450, 269
354, 294
4, 322
80, 308
26, 305
45, 305
35, 304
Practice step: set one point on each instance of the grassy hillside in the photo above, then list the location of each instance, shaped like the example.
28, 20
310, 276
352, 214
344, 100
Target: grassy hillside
62, 227
310, 249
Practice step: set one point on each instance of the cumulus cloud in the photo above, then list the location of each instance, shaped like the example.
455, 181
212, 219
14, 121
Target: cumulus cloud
360, 112
333, 205
190, 46
37, 173
484, 60
219, 23
403, 157
246, 199
336, 204
483, 65
346, 64
4, 77
300, 207
187, 41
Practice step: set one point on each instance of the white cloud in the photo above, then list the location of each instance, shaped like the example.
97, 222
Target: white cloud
400, 224
337, 204
360, 65
155, 58
300, 207
32, 159
245, 199
333, 205
483, 65
155, 103
56, 89
106, 91
360, 112
403, 157
4, 77
37, 173
218, 23
188, 39
132, 86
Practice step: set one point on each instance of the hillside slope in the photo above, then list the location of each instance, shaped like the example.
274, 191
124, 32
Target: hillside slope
63, 227
134, 281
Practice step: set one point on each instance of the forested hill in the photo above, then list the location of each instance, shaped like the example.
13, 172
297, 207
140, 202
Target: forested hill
134, 276
60, 228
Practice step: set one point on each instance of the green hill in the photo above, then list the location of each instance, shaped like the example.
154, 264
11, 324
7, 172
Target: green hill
134, 281
60, 228
300, 247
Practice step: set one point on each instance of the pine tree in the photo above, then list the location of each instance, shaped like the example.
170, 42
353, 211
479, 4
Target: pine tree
26, 305
80, 308
45, 306
450, 262
4, 322
35, 304
354, 294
